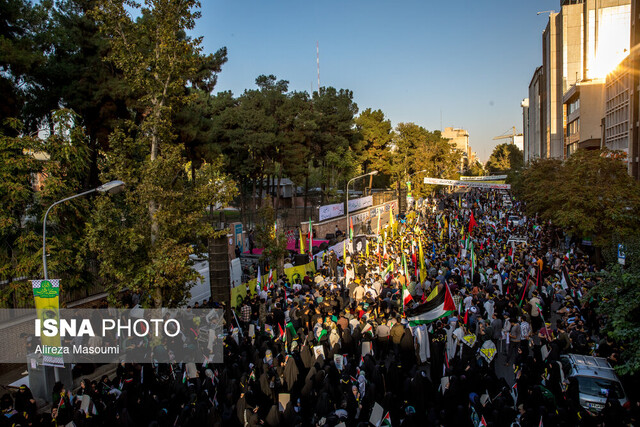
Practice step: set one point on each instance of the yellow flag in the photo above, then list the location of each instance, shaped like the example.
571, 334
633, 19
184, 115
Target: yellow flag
302, 242
433, 294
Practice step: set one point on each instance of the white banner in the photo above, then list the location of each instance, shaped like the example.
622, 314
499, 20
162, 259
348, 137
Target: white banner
331, 211
362, 202
455, 183
484, 178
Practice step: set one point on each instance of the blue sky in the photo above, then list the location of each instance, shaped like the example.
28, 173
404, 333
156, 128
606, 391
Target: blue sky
472, 60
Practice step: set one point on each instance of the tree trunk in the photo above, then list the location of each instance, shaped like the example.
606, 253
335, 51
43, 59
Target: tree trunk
153, 210
278, 193
306, 194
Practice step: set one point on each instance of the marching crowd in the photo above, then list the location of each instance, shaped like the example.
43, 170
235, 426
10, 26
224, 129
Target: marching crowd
443, 320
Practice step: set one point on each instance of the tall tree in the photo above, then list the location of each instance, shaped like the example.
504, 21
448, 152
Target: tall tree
22, 24
590, 194
162, 211
505, 158
376, 133
335, 141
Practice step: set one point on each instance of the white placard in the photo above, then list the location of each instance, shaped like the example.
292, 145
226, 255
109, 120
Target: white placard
362, 202
331, 211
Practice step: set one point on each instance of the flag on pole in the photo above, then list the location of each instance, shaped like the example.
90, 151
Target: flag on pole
310, 238
283, 336
439, 306
472, 222
406, 296
259, 281
270, 279
391, 218
350, 228
483, 423
386, 421
302, 243
184, 376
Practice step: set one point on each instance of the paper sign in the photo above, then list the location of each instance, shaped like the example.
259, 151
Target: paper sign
191, 370
444, 383
318, 351
337, 359
488, 351
252, 330
366, 348
283, 401
469, 340
545, 351
376, 414
86, 400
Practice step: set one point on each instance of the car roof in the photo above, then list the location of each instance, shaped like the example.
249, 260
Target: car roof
591, 366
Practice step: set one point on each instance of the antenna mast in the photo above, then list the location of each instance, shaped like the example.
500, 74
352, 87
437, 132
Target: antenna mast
318, 62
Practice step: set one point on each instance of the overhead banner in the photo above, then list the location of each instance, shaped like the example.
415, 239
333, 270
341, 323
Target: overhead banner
362, 202
484, 178
456, 183
331, 211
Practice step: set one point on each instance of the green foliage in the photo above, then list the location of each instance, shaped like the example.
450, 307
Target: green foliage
273, 242
416, 149
589, 194
22, 24
19, 241
376, 133
618, 294
505, 158
143, 238
476, 169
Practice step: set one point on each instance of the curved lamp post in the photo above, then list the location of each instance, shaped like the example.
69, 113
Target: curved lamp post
112, 187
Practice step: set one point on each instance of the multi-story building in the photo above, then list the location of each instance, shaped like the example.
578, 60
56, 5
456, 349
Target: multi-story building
634, 92
581, 43
459, 139
536, 117
583, 110
617, 112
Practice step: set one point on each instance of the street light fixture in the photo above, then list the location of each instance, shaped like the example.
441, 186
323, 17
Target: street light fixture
349, 182
112, 187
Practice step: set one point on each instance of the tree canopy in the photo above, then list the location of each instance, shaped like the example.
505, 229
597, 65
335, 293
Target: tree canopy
505, 158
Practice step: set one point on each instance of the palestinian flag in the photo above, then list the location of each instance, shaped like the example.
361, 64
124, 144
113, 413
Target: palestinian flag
283, 336
386, 421
406, 296
351, 228
440, 306
184, 376
483, 423
367, 329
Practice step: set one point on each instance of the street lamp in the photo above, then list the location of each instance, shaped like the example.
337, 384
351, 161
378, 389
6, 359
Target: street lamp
112, 187
349, 182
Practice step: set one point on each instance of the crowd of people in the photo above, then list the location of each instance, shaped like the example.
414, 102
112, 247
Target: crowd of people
344, 346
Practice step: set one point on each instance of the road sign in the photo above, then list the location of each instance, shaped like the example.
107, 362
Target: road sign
621, 254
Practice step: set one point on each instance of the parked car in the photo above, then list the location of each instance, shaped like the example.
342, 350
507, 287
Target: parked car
597, 381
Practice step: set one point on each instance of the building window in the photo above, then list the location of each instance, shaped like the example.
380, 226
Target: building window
573, 106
